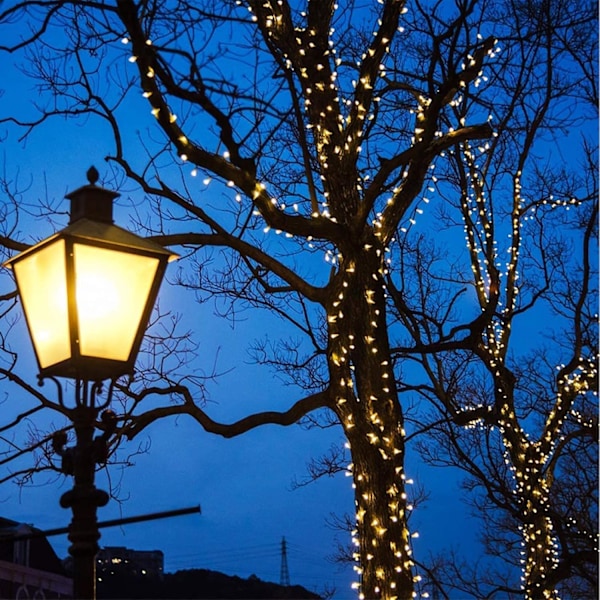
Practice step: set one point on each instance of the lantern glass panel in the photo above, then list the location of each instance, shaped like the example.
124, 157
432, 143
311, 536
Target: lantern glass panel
111, 290
42, 281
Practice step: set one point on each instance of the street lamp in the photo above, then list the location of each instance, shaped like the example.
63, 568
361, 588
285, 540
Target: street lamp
87, 293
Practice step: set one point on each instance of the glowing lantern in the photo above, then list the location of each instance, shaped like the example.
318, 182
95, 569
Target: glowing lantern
88, 290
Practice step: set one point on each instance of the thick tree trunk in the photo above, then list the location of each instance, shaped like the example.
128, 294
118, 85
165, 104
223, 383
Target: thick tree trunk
368, 408
382, 536
540, 548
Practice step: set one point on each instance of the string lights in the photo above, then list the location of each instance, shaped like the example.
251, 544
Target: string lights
527, 458
336, 110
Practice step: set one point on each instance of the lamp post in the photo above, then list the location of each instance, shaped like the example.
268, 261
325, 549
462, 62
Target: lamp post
87, 293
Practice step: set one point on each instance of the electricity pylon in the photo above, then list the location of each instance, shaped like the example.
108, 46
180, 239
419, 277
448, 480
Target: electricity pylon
284, 574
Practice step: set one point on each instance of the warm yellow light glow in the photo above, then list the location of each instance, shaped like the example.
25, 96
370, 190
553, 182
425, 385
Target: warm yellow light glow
42, 278
111, 289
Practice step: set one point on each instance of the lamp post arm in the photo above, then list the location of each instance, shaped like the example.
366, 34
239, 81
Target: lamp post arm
135, 424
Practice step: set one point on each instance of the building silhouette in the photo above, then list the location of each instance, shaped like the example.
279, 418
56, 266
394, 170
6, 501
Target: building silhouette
117, 560
29, 567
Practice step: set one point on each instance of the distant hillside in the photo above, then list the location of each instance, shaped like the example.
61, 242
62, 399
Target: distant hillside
197, 583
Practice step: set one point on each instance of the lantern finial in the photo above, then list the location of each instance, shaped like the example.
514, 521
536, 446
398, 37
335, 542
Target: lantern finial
92, 175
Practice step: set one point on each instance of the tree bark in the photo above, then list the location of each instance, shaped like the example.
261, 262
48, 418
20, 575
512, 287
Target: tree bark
370, 412
382, 536
540, 551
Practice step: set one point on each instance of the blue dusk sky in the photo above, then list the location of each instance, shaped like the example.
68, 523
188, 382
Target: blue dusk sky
244, 485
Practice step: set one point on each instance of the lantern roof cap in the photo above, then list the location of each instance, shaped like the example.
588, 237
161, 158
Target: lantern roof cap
91, 231
92, 201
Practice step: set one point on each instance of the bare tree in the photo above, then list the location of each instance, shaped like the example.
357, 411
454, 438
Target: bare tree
506, 333
321, 126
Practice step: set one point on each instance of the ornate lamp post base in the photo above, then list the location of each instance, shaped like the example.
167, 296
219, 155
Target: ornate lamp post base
84, 499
